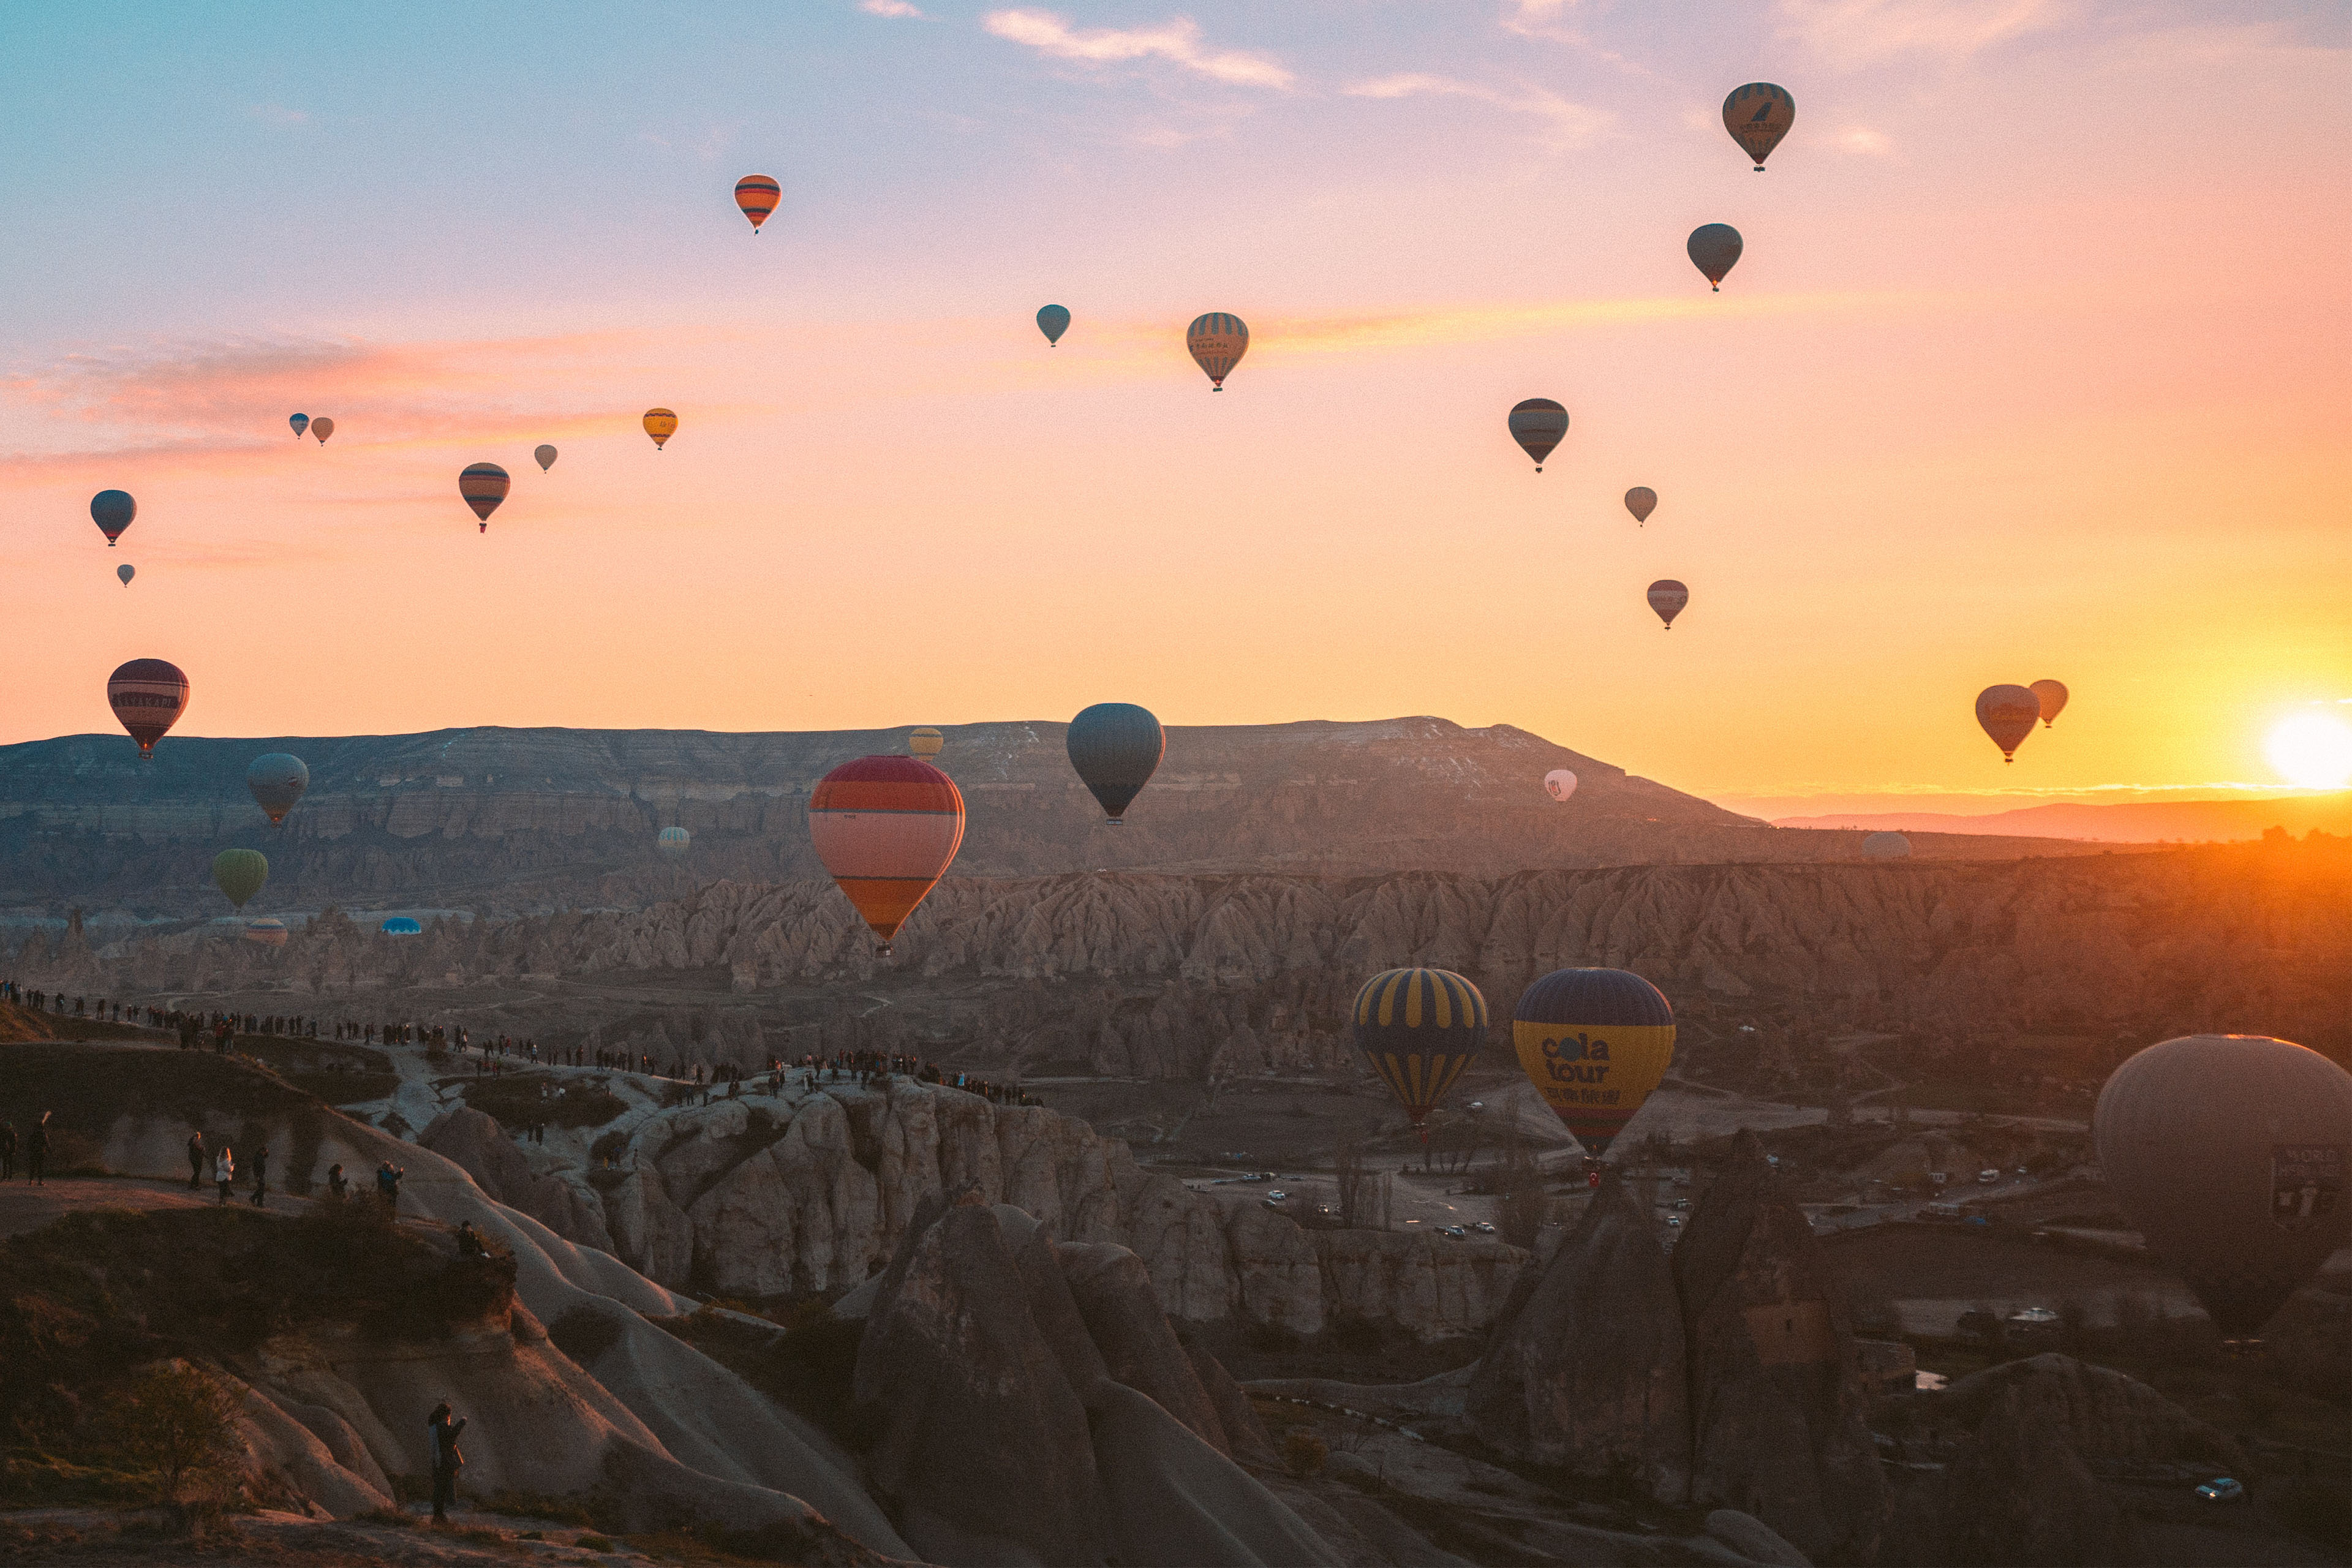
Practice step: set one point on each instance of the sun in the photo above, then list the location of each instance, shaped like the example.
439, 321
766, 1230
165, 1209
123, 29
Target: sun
2311, 750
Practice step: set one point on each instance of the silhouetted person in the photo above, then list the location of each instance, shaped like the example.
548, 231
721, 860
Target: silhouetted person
223, 1170
261, 1176
36, 1152
195, 1160
7, 1150
469, 1242
387, 1184
339, 1189
447, 1459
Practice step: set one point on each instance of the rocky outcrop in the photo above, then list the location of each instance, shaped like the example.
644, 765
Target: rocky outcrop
568, 1207
2018, 1493
2101, 1414
1779, 1426
996, 1436
1587, 1371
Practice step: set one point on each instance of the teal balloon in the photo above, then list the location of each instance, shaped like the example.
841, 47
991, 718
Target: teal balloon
240, 873
1713, 249
1115, 748
1053, 321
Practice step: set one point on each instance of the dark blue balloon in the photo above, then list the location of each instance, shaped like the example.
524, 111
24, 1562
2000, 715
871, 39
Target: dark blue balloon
113, 511
1053, 321
1116, 747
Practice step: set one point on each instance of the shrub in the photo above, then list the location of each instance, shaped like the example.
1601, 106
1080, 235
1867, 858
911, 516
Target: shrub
1304, 1451
173, 1422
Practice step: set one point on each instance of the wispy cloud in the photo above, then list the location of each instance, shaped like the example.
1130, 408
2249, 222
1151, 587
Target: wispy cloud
888, 8
1853, 33
1176, 40
1569, 124
1864, 142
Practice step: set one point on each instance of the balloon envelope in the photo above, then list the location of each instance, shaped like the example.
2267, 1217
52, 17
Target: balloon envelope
1594, 1042
268, 933
113, 511
2051, 695
661, 425
1537, 425
1217, 341
1053, 320
1757, 116
1667, 597
2229, 1153
276, 780
673, 842
1560, 783
484, 485
1885, 846
240, 873
1641, 500
758, 195
1714, 248
300, 422
925, 742
1419, 1029
322, 428
546, 456
2007, 714
887, 828
126, 572
400, 925
1116, 747
148, 696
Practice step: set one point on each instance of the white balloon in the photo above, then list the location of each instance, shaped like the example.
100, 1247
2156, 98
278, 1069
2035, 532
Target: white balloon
1561, 783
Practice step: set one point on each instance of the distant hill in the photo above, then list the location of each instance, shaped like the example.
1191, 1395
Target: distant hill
513, 820
2137, 822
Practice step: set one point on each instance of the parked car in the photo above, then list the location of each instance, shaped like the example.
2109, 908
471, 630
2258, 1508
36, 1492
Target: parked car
1456, 1232
2221, 1488
1673, 1220
1276, 1196
1986, 1178
1484, 1228
1682, 1203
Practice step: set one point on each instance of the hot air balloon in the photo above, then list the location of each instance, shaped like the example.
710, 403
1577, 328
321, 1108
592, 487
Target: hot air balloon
1560, 783
1641, 500
1114, 746
1713, 249
758, 195
2229, 1153
546, 456
2051, 695
268, 933
322, 428
1217, 341
1885, 846
1594, 1042
483, 485
1757, 116
673, 842
1667, 597
126, 572
148, 696
1053, 321
276, 780
2007, 714
887, 828
240, 873
661, 425
1537, 425
1420, 1028
925, 742
112, 510
300, 422
400, 925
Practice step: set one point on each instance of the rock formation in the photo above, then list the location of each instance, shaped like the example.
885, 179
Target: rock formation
2018, 1492
2103, 1414
1586, 1370
1778, 1427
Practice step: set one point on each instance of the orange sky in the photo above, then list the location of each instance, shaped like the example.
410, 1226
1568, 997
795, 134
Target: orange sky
2036, 366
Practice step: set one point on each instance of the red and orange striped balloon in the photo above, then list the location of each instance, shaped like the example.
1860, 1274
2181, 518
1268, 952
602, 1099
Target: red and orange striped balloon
483, 485
887, 828
758, 195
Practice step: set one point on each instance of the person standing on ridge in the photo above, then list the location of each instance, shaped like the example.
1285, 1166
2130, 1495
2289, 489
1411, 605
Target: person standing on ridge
387, 1185
7, 1150
447, 1459
338, 1189
196, 1160
223, 1170
36, 1152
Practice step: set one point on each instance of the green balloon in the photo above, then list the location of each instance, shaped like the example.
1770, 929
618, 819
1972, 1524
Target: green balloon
240, 873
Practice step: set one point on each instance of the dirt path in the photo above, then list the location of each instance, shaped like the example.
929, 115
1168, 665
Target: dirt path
23, 1207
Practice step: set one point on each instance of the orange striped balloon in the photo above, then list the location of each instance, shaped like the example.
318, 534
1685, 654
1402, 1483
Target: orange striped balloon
661, 425
483, 485
758, 195
887, 828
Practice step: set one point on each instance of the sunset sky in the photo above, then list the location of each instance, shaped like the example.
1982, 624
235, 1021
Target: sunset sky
2037, 364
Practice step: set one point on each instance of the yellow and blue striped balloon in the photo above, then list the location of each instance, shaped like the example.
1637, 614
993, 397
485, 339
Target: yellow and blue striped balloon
1420, 1028
1218, 341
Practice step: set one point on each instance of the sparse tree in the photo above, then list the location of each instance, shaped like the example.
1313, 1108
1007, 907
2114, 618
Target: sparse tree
174, 1421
